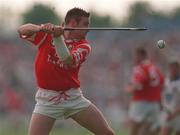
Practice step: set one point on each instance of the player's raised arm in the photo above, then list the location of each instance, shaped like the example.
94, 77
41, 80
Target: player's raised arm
36, 34
28, 29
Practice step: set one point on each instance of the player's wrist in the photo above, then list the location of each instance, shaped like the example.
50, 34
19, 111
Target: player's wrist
59, 38
58, 31
40, 27
56, 40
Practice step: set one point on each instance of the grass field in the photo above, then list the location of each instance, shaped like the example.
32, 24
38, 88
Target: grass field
17, 126
55, 132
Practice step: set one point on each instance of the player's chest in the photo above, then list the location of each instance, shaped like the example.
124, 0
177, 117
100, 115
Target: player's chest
52, 51
49, 55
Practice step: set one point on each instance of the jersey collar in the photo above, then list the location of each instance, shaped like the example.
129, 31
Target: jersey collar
70, 41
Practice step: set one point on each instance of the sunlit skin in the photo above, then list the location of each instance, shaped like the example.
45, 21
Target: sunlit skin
74, 34
77, 34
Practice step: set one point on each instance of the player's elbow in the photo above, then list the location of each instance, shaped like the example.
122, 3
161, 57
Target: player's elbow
24, 29
19, 30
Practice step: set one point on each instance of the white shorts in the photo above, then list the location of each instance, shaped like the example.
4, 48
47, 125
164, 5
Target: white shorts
143, 111
174, 124
60, 104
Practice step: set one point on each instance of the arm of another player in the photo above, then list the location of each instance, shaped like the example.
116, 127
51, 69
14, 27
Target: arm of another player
133, 87
173, 114
137, 79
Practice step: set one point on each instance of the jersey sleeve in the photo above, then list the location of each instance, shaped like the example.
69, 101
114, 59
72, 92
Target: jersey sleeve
80, 54
36, 39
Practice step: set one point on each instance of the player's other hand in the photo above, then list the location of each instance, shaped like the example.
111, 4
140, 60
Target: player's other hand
58, 31
47, 27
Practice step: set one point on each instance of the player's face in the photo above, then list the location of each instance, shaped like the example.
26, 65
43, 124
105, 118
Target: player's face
137, 58
77, 34
83, 23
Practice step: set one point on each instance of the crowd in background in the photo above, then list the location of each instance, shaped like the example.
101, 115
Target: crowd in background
103, 76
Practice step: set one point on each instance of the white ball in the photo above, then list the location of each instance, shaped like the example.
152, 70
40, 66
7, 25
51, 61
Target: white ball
161, 44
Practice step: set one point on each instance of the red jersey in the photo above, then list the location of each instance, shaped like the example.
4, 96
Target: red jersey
151, 79
50, 71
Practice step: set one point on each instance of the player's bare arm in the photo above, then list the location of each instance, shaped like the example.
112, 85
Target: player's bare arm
133, 87
28, 29
174, 114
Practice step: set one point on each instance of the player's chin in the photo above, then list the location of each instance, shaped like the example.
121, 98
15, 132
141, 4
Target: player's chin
85, 34
83, 37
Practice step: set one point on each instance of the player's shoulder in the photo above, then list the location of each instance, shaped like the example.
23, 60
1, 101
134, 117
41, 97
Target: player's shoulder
138, 69
84, 44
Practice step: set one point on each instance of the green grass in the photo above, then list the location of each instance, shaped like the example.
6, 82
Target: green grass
64, 127
13, 124
80, 132
55, 131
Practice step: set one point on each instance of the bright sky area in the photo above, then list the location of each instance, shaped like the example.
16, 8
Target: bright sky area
116, 8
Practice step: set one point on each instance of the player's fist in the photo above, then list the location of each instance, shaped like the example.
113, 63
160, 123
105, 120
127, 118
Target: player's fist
47, 27
58, 31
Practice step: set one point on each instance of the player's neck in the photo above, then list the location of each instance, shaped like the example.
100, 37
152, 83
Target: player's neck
73, 39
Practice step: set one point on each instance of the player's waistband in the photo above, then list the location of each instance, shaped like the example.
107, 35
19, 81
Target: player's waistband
55, 92
57, 96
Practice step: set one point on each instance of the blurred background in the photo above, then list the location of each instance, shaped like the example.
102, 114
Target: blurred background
107, 69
